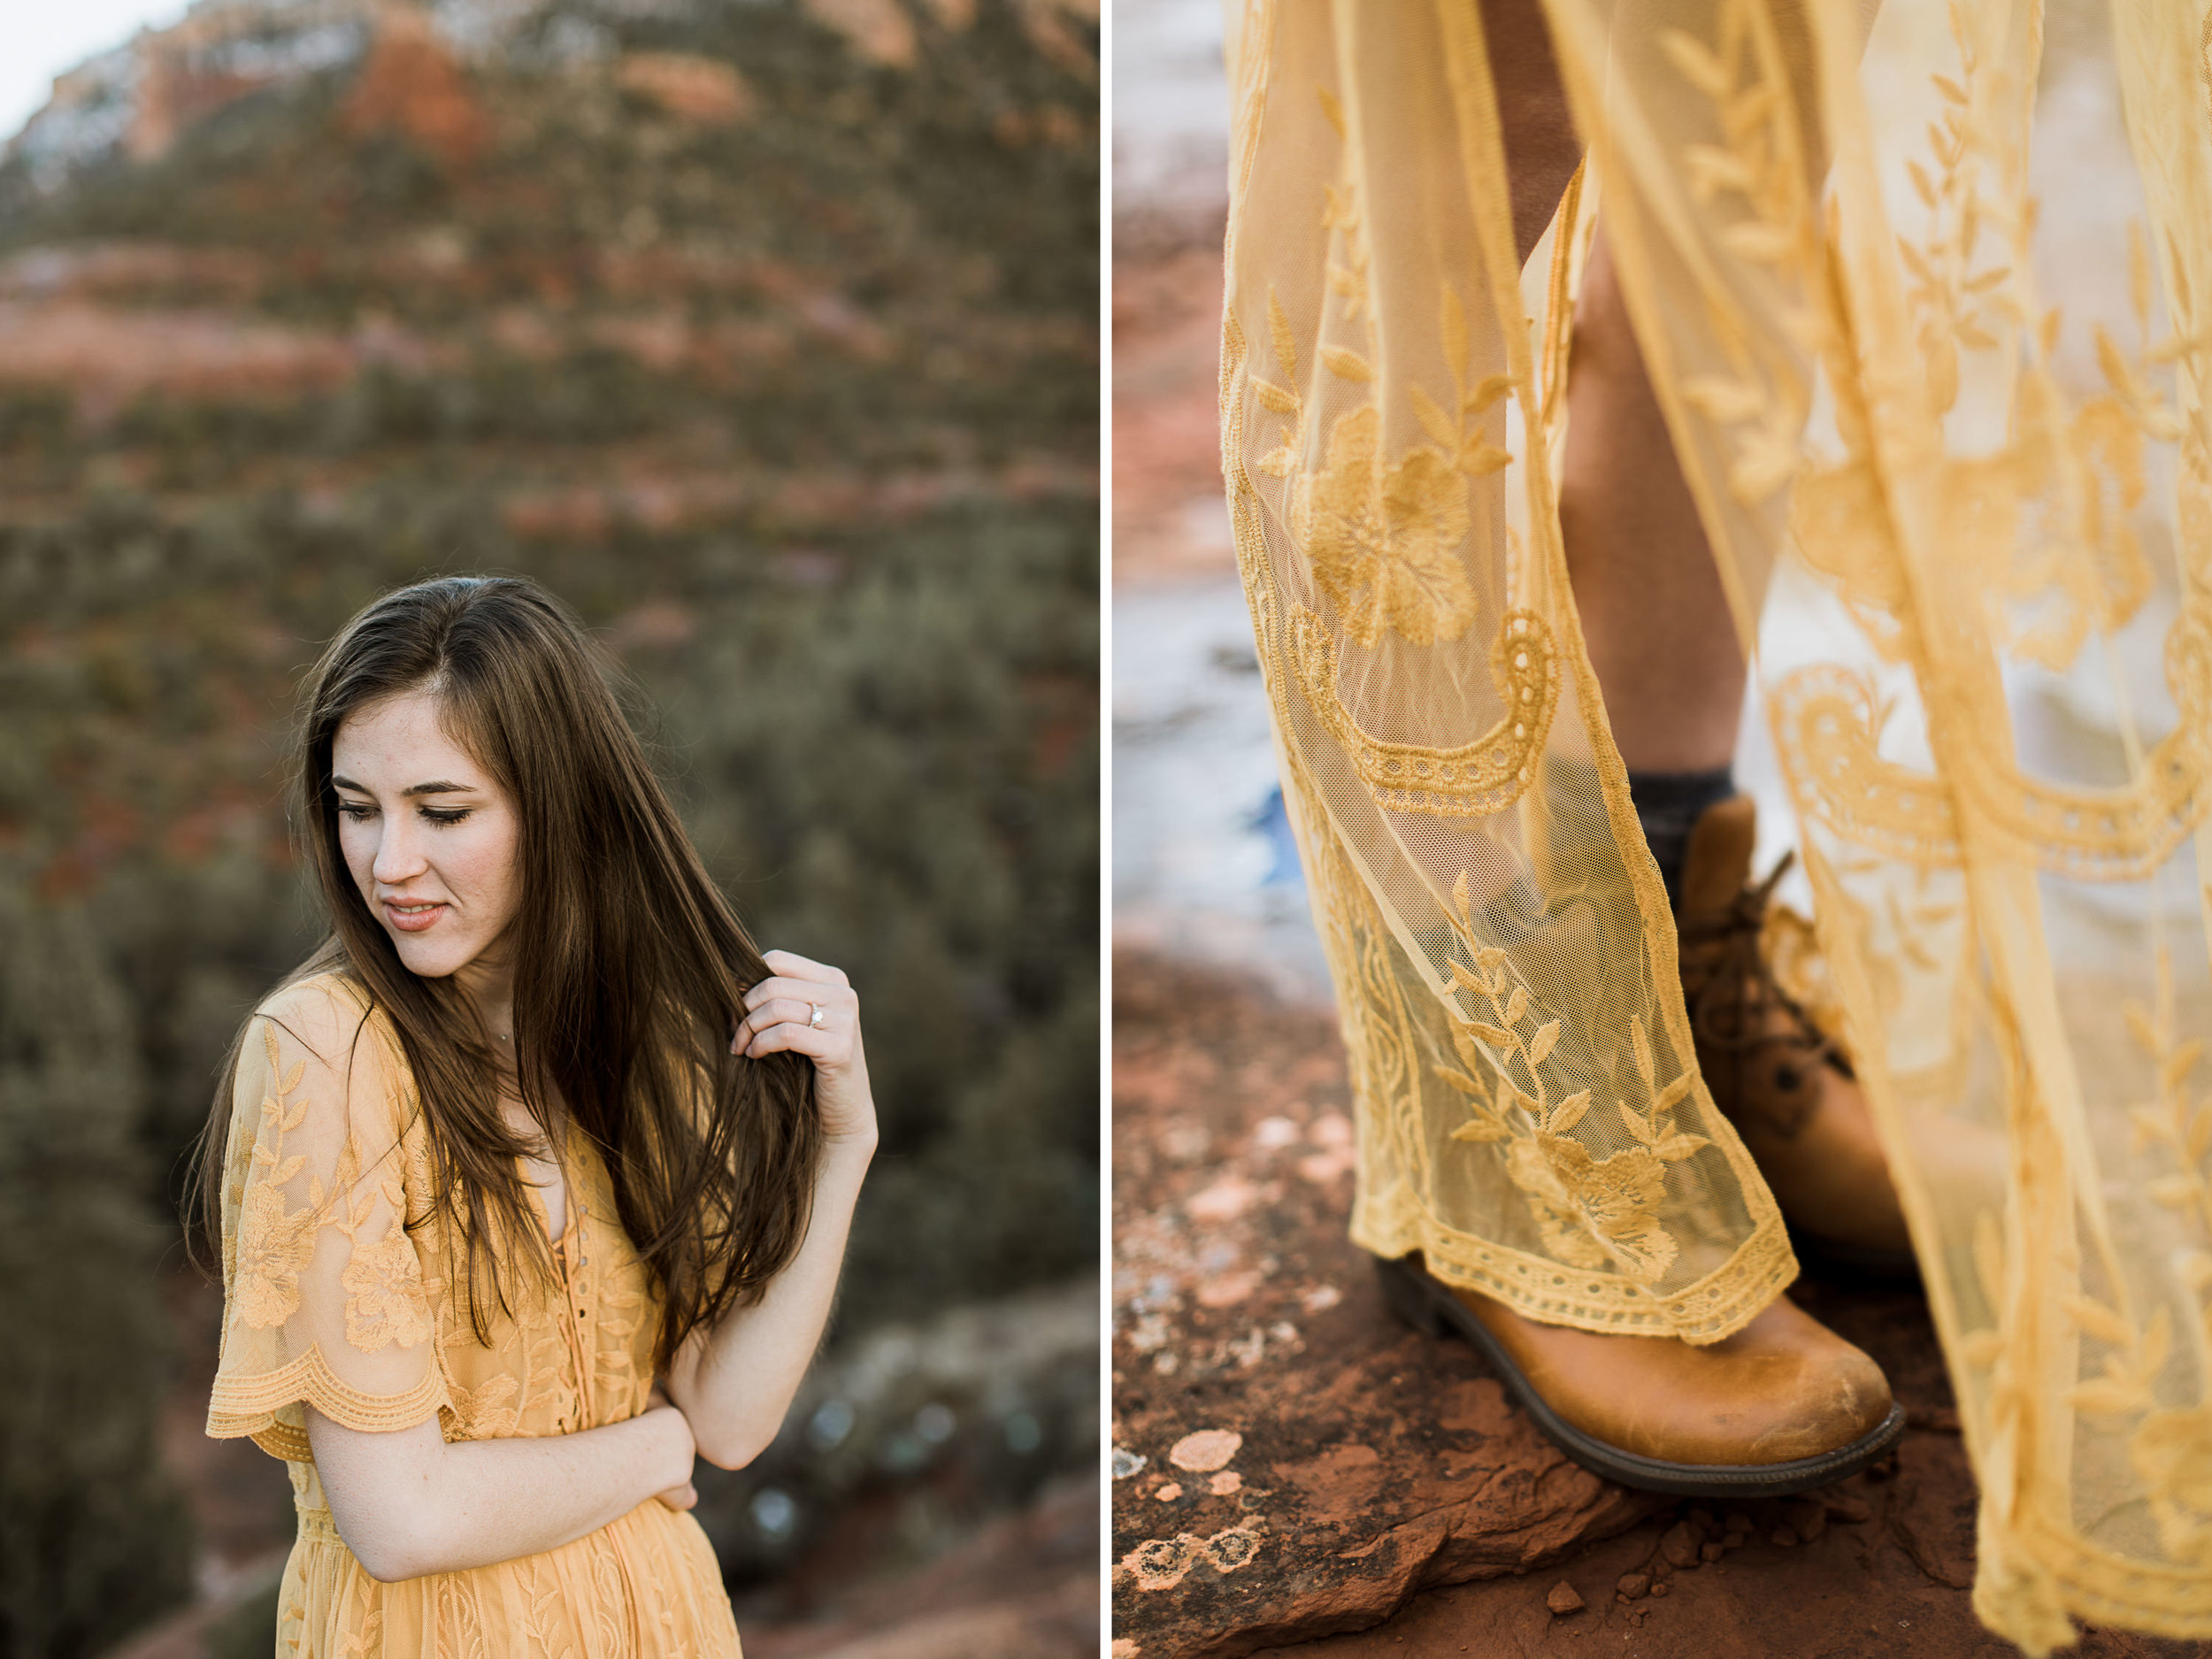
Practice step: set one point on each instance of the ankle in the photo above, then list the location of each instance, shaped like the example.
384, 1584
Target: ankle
1668, 805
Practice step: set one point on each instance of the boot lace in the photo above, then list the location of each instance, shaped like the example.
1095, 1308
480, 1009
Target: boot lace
1767, 1068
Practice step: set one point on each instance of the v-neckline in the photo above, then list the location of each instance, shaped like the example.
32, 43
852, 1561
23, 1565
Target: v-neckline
562, 1176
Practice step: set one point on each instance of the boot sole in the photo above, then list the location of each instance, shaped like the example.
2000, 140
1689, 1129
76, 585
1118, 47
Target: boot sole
1427, 1306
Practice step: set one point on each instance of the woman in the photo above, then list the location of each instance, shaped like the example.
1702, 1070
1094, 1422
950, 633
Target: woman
1556, 333
533, 1181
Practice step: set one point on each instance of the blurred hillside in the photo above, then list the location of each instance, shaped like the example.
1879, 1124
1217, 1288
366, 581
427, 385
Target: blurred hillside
763, 333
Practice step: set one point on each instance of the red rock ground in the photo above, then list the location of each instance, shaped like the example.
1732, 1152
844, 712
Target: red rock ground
1316, 1480
1313, 1469
1167, 445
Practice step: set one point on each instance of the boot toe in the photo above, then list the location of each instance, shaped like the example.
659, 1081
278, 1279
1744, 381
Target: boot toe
1783, 1389
1830, 1394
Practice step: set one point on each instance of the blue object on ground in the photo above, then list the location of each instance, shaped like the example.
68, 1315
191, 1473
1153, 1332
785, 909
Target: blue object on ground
1273, 821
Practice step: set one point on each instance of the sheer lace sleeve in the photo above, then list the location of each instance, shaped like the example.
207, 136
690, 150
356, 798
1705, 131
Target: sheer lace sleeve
323, 1291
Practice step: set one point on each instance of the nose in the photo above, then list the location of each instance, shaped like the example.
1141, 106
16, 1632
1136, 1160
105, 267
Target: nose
399, 858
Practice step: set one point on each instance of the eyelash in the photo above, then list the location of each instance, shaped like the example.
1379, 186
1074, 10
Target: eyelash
439, 815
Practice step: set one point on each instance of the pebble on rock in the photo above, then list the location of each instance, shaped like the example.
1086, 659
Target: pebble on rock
1809, 1518
1562, 1598
1679, 1544
1206, 1450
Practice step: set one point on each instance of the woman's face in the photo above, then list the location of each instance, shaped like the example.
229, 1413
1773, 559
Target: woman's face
427, 834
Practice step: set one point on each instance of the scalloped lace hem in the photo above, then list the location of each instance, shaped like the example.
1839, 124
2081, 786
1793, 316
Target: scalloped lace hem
246, 1407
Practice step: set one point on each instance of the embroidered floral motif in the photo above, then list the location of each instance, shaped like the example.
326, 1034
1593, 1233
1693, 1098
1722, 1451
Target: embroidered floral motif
384, 1297
365, 1642
1589, 1211
544, 1626
488, 1410
275, 1244
1558, 1222
274, 1247
1825, 726
1616, 1198
1383, 541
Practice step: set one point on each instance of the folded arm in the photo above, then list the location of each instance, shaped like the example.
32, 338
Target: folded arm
408, 1503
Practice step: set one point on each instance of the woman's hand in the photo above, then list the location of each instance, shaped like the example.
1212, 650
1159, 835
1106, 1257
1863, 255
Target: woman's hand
687, 1496
780, 1013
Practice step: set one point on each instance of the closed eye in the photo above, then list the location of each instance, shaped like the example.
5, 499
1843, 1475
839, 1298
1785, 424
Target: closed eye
360, 811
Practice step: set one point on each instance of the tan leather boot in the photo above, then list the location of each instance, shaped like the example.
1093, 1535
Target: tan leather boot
1773, 1073
1783, 1405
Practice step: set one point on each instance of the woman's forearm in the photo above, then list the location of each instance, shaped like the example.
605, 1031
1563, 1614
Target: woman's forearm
408, 1503
735, 1382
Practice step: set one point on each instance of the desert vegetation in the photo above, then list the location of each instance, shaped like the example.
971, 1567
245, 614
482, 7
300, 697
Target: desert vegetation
779, 363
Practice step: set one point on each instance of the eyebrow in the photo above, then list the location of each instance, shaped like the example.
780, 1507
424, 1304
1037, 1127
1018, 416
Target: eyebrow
440, 786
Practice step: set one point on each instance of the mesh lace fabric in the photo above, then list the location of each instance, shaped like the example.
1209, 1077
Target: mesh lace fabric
1940, 395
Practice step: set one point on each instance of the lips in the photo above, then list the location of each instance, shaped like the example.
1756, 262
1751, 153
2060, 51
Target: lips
413, 916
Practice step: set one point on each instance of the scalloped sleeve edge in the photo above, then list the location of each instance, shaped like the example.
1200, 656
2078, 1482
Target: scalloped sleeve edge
246, 1407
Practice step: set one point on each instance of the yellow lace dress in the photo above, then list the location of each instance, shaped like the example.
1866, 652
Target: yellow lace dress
329, 1300
1925, 288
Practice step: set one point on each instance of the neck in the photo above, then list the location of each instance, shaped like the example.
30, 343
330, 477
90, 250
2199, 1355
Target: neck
489, 982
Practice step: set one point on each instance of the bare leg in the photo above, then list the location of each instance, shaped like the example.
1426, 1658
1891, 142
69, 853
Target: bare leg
1654, 615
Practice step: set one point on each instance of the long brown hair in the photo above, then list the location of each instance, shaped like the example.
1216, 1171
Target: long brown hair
629, 965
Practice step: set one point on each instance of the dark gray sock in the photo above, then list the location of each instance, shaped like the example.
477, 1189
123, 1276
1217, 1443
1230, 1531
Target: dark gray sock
1669, 805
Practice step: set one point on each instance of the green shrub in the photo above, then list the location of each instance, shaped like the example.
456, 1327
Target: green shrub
93, 1541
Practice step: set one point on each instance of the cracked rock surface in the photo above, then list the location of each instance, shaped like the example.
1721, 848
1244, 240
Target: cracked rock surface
1289, 1460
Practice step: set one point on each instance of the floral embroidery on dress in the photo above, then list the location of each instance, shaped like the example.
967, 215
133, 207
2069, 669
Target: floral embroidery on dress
274, 1248
367, 1641
1616, 1198
543, 1626
275, 1244
1477, 778
384, 1297
487, 1412
1590, 1212
1385, 541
